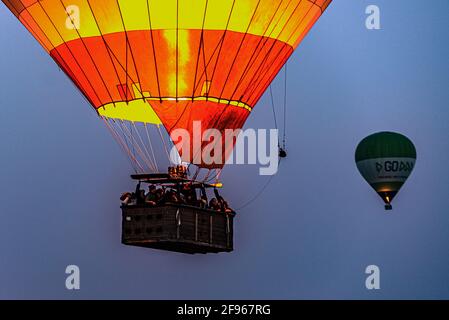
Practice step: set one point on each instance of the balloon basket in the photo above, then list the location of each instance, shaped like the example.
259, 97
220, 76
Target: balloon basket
388, 207
178, 228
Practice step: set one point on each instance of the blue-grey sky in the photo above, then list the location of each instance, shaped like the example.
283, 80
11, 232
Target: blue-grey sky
318, 224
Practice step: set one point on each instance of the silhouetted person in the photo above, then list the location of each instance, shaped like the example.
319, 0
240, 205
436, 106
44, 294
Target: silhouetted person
226, 207
126, 198
214, 205
220, 200
189, 194
160, 196
203, 198
171, 196
151, 197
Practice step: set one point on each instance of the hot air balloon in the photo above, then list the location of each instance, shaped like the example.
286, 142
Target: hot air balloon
385, 160
144, 65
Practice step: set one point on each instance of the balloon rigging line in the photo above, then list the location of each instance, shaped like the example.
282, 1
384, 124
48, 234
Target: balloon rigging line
263, 64
134, 143
199, 51
240, 47
207, 175
177, 48
285, 106
114, 135
284, 57
121, 143
84, 45
130, 50
163, 140
197, 171
280, 50
253, 57
137, 147
196, 85
108, 50
234, 60
151, 146
269, 50
153, 165
125, 138
216, 176
144, 145
259, 193
221, 44
274, 111
154, 49
263, 70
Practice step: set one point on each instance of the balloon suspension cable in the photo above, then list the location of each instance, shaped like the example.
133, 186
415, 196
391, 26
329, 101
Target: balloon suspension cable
131, 138
285, 108
257, 195
274, 110
207, 175
135, 145
197, 171
151, 147
130, 153
215, 176
120, 141
281, 148
147, 153
125, 145
163, 141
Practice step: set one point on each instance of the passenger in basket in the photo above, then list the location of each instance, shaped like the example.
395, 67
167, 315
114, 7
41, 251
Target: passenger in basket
151, 196
127, 198
214, 205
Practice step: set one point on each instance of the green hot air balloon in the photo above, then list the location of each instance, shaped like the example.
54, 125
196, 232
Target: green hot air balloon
385, 160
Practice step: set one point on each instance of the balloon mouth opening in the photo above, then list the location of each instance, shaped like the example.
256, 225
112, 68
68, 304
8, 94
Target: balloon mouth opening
387, 197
